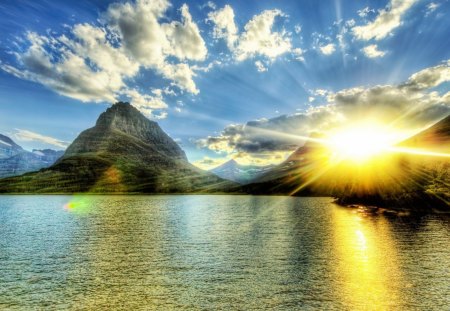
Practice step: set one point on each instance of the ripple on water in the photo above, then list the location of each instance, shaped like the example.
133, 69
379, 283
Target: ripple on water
217, 252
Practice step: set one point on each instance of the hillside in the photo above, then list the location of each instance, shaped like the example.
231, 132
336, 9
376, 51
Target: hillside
124, 152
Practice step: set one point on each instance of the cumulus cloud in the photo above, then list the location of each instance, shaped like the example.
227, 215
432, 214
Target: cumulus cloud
25, 135
328, 49
69, 76
257, 38
93, 63
407, 107
260, 66
372, 51
387, 20
429, 77
224, 25
147, 103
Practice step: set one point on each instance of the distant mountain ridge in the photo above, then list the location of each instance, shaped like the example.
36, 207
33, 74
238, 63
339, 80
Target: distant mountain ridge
14, 160
8, 147
243, 174
124, 152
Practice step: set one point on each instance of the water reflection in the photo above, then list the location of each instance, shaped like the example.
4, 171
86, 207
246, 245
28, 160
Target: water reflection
367, 272
216, 252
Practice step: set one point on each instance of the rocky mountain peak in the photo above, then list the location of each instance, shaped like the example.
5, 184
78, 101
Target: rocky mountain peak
124, 120
8, 147
123, 116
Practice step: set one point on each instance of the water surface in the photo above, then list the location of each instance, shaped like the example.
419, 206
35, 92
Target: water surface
217, 252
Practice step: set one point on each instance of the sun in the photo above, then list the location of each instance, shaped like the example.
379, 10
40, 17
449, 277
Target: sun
361, 142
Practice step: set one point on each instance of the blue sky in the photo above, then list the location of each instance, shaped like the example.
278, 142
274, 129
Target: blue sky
290, 66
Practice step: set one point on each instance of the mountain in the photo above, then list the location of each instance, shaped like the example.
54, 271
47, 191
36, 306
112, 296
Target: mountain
8, 147
424, 182
295, 175
123, 152
239, 173
15, 160
435, 137
397, 180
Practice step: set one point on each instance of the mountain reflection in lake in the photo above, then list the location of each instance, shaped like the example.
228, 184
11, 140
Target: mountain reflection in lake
217, 252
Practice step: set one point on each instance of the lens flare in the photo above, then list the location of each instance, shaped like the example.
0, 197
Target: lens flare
78, 204
361, 142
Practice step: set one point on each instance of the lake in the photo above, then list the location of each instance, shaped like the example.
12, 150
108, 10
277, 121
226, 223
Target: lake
217, 252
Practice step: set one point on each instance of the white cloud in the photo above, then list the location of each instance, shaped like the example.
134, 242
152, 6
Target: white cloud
430, 77
431, 7
224, 25
320, 92
94, 63
364, 12
70, 76
297, 28
184, 38
328, 49
260, 66
387, 20
372, 51
298, 54
210, 5
407, 107
151, 43
147, 103
257, 38
25, 135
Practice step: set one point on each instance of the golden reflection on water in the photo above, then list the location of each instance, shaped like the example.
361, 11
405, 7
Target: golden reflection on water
367, 273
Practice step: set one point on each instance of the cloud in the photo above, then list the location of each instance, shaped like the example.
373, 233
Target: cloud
224, 25
208, 163
431, 7
95, 63
387, 20
328, 49
184, 37
210, 5
297, 28
298, 54
24, 135
260, 66
364, 12
147, 103
257, 38
429, 77
151, 42
407, 107
372, 51
70, 76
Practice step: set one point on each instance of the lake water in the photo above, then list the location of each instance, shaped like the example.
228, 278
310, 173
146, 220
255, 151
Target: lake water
217, 252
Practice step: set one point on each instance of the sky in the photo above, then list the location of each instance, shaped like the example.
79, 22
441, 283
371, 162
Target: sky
225, 79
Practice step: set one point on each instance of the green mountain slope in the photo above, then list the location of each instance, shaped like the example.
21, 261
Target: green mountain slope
123, 152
